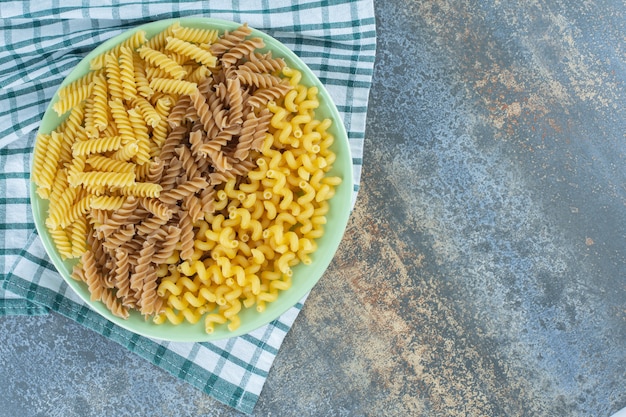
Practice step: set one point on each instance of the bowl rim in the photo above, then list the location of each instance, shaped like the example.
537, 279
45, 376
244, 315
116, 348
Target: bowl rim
340, 203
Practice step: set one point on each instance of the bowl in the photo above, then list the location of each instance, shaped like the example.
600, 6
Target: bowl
304, 276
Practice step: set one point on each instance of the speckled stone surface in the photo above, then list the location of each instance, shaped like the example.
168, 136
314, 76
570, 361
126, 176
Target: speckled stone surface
483, 272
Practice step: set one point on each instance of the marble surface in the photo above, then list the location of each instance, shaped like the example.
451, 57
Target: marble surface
483, 272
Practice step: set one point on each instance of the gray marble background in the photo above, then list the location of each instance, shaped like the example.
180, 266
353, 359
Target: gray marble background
483, 269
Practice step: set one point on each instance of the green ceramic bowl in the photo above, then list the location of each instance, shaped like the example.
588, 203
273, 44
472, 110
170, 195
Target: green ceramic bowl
304, 276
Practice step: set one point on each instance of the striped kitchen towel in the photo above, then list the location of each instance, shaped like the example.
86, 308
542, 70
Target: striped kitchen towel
39, 45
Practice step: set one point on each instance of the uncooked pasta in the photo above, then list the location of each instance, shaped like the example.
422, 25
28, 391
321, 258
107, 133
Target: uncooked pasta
189, 177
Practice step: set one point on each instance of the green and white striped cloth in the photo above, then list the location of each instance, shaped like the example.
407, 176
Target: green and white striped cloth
42, 41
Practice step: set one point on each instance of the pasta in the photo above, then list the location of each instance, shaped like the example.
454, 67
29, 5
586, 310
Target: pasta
48, 171
172, 86
114, 77
122, 121
229, 40
127, 73
140, 135
162, 61
262, 96
243, 49
189, 177
134, 41
191, 51
100, 113
111, 179
102, 163
199, 36
73, 96
141, 79
148, 112
39, 159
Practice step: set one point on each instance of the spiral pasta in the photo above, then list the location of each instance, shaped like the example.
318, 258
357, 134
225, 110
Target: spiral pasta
106, 202
184, 189
110, 179
147, 111
62, 242
77, 236
49, 167
141, 79
172, 86
241, 50
262, 96
103, 163
141, 136
192, 51
189, 178
162, 61
230, 39
73, 96
195, 35
39, 158
97, 145
134, 41
259, 80
122, 122
127, 73
141, 189
100, 111
114, 77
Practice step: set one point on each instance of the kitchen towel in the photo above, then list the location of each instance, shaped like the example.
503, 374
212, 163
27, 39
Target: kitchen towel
42, 41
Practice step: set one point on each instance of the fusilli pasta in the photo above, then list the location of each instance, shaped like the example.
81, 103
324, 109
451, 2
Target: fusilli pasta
189, 177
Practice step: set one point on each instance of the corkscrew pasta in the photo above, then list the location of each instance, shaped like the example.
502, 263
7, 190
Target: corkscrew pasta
189, 176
